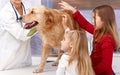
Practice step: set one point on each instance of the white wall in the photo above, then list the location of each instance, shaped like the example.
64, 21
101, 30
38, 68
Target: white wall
35, 2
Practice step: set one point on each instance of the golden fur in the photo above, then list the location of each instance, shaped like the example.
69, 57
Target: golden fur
50, 25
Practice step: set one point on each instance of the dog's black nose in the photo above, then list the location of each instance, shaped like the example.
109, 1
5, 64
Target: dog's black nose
20, 18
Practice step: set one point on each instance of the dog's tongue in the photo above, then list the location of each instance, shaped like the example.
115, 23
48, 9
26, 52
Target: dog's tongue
28, 25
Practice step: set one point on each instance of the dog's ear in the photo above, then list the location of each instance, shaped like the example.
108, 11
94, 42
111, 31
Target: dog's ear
49, 17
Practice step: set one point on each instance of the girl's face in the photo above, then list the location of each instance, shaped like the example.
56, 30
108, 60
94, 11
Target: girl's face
65, 43
97, 21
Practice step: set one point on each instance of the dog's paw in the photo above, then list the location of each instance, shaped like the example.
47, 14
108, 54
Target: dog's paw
38, 70
55, 63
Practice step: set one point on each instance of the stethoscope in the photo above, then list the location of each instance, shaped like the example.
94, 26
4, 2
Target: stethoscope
18, 19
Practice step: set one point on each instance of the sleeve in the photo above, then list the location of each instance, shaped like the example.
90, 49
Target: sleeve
83, 22
13, 27
62, 66
107, 55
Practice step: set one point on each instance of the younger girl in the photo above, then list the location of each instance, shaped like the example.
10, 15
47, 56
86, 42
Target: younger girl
77, 60
105, 39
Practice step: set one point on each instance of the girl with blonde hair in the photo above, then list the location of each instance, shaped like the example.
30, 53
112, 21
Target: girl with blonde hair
77, 60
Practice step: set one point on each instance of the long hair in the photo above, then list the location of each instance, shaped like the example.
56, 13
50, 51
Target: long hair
106, 13
80, 52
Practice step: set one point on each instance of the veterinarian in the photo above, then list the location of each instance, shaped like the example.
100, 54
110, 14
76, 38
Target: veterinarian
14, 43
105, 40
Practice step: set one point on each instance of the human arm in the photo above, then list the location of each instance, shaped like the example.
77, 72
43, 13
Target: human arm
78, 17
62, 65
12, 27
83, 22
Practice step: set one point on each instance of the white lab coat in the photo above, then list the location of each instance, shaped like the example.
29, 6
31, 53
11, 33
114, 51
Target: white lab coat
14, 43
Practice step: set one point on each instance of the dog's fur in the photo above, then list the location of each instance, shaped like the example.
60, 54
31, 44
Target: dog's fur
50, 25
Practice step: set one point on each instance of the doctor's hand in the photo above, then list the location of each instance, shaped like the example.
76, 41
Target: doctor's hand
67, 6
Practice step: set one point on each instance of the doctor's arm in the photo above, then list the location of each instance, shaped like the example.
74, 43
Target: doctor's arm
14, 28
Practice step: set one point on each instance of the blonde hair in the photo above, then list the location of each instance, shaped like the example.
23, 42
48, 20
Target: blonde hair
80, 52
106, 13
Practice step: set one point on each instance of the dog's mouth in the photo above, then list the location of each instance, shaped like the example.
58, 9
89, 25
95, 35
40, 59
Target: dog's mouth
30, 25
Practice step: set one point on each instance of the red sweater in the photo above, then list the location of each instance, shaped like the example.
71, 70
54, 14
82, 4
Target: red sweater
102, 54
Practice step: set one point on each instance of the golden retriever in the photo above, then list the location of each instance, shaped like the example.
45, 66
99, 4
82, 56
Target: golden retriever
49, 22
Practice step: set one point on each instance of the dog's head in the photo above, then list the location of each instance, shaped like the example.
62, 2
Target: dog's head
42, 16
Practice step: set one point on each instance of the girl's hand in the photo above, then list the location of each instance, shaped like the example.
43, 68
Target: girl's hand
67, 6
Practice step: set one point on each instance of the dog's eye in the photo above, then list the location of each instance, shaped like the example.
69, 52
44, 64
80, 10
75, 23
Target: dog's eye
32, 12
